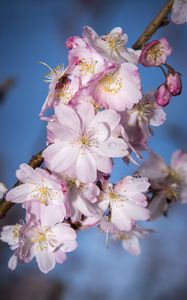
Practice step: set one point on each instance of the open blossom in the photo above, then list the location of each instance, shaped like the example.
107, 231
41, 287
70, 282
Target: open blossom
129, 239
38, 185
80, 198
155, 53
111, 45
169, 182
43, 239
179, 12
126, 202
137, 121
87, 64
10, 235
119, 89
83, 141
63, 86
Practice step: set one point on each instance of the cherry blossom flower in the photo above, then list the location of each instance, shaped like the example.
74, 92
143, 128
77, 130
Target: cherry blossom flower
111, 45
119, 89
38, 185
81, 198
10, 235
137, 120
88, 63
63, 86
44, 239
169, 182
155, 53
163, 95
126, 202
179, 12
83, 141
174, 83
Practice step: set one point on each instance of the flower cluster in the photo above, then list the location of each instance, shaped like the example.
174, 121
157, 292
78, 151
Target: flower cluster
99, 113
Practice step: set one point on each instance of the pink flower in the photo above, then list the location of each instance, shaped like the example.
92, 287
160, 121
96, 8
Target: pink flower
126, 202
81, 198
155, 53
44, 239
10, 235
63, 86
168, 182
179, 12
163, 95
88, 63
137, 120
38, 185
174, 83
130, 240
111, 46
119, 89
83, 141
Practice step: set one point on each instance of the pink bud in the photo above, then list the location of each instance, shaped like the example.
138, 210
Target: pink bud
155, 53
174, 84
163, 95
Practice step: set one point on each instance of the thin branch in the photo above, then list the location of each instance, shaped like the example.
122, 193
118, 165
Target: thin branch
35, 162
153, 25
37, 159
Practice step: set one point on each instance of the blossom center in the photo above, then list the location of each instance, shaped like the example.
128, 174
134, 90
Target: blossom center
115, 42
111, 83
87, 67
43, 194
43, 239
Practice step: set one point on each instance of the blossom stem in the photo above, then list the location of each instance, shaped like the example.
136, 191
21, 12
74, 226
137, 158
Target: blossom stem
153, 25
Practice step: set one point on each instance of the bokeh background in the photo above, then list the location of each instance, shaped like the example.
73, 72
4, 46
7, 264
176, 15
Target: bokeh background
36, 30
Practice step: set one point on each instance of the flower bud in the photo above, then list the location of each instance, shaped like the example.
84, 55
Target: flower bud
155, 53
163, 95
174, 83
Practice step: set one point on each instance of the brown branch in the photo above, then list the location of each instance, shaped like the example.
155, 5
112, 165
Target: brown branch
37, 159
153, 25
35, 162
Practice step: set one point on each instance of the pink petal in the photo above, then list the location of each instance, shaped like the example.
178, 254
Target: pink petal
113, 147
21, 193
68, 117
45, 260
60, 156
86, 167
60, 256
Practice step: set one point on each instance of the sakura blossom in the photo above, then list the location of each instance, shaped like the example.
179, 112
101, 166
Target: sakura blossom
126, 202
155, 53
111, 45
43, 239
38, 185
119, 89
83, 141
174, 83
169, 181
163, 95
179, 12
137, 121
80, 198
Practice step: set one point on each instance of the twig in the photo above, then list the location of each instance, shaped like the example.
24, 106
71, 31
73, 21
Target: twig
153, 25
37, 159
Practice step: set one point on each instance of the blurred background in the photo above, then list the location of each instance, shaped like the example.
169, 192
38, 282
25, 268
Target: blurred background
36, 30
